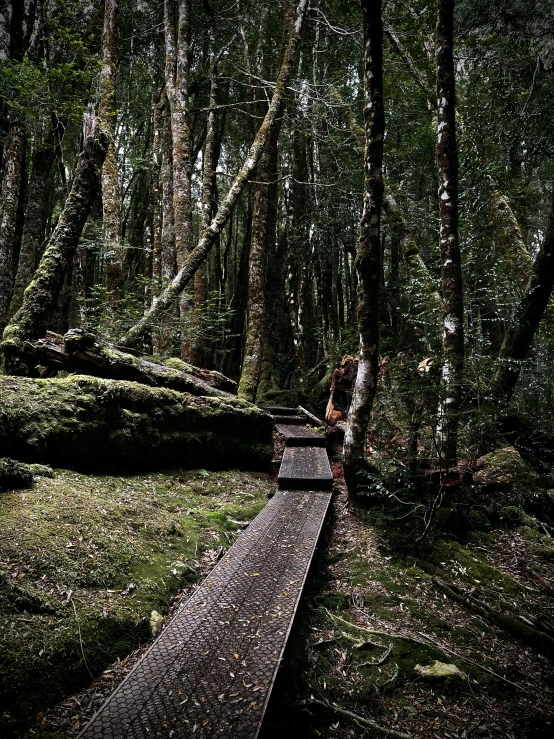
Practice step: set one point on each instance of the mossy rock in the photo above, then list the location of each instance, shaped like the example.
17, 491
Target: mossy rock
501, 467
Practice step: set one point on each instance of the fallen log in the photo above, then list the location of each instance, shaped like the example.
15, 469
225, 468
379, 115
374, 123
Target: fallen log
97, 424
81, 352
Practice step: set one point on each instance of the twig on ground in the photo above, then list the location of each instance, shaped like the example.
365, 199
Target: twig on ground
81, 640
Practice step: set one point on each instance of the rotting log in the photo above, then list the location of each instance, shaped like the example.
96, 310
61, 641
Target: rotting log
81, 352
97, 424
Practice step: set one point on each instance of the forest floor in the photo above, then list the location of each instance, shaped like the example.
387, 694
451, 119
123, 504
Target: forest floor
372, 612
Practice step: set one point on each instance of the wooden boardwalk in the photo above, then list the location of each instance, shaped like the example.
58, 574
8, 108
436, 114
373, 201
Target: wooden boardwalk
210, 672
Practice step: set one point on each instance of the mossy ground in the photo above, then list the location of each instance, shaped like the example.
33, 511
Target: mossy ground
85, 559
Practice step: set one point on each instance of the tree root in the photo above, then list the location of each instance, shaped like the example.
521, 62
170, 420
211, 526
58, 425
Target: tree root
519, 630
425, 641
353, 717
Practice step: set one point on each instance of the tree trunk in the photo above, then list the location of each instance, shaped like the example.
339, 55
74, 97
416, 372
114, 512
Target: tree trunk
256, 316
11, 187
36, 216
519, 337
451, 266
368, 259
107, 115
40, 299
177, 74
209, 166
224, 211
509, 239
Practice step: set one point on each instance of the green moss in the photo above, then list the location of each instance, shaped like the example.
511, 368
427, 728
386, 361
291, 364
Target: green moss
99, 554
89, 423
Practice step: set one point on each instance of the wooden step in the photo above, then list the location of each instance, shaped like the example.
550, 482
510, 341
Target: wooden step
305, 468
290, 420
300, 436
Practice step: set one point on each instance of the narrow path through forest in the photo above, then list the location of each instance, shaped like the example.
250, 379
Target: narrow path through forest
211, 671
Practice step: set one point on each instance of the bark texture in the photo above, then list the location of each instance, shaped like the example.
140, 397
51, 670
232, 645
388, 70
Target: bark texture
208, 238
451, 264
11, 187
368, 259
87, 423
519, 336
256, 331
39, 300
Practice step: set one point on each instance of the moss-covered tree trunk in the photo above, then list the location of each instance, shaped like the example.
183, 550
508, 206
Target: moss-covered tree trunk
82, 422
451, 263
368, 259
417, 268
107, 115
36, 216
40, 298
11, 187
509, 239
519, 336
210, 235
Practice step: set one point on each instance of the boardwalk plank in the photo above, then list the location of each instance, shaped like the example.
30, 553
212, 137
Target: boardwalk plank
211, 671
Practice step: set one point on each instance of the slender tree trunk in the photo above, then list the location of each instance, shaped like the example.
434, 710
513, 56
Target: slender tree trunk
40, 299
224, 211
209, 165
296, 235
168, 257
368, 259
36, 216
256, 317
451, 265
156, 197
107, 115
11, 187
177, 79
519, 337
165, 261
